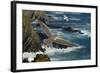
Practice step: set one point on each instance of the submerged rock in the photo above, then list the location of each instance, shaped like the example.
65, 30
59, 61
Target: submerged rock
41, 58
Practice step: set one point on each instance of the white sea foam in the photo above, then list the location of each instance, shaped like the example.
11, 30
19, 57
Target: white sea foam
54, 59
53, 51
29, 55
86, 33
50, 51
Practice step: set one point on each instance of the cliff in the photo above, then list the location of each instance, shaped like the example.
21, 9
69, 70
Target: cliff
31, 40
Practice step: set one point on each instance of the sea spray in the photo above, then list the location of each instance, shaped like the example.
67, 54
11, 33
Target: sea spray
50, 52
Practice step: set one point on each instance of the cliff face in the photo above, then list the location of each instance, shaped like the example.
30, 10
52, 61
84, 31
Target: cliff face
31, 40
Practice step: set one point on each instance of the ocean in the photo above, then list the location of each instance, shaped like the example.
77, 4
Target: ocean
82, 52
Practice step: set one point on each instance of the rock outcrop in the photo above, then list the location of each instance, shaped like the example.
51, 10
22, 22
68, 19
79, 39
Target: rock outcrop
41, 58
70, 29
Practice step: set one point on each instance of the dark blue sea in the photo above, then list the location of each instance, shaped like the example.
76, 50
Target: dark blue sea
78, 53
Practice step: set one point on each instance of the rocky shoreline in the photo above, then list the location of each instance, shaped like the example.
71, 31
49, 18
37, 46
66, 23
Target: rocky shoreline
38, 58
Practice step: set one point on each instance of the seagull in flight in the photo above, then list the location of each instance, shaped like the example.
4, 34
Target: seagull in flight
66, 18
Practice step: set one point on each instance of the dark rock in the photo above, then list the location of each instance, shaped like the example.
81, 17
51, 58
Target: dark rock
53, 26
42, 36
37, 49
25, 60
56, 45
41, 58
70, 29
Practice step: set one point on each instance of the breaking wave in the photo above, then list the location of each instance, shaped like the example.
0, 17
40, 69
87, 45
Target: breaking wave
86, 33
53, 51
50, 52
